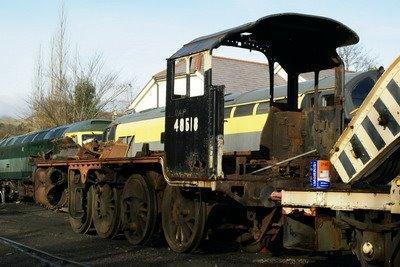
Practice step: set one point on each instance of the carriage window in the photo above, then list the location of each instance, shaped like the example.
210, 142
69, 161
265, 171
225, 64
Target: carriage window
263, 108
328, 100
227, 112
312, 101
179, 86
29, 138
308, 101
244, 110
19, 140
58, 133
361, 91
39, 136
10, 141
110, 134
186, 82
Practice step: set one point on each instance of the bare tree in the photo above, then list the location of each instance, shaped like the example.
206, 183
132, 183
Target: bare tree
71, 89
94, 88
356, 58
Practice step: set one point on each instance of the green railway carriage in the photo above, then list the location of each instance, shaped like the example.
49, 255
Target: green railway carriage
17, 152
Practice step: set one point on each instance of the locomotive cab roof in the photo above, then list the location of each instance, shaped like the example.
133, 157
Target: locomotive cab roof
300, 43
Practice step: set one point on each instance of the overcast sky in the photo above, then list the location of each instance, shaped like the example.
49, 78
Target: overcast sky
135, 37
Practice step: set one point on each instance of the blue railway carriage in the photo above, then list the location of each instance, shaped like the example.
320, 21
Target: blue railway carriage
17, 154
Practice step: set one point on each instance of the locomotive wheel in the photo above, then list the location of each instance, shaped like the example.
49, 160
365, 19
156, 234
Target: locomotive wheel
39, 188
82, 225
106, 210
375, 238
183, 218
56, 188
139, 209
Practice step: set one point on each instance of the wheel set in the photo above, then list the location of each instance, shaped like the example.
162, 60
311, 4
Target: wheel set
106, 210
136, 209
139, 210
184, 217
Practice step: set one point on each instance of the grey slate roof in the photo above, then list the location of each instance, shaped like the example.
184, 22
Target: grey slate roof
241, 76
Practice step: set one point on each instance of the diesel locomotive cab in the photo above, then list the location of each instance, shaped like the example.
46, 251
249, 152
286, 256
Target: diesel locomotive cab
194, 121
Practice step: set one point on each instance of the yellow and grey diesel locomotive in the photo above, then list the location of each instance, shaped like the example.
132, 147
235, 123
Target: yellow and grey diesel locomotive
305, 166
245, 114
17, 155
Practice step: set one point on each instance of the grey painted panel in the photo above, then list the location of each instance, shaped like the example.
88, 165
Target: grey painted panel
232, 143
242, 142
136, 147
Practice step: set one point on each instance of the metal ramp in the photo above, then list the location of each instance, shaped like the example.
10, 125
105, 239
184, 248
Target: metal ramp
373, 135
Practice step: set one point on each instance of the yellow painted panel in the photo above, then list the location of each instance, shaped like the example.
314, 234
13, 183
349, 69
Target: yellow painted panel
79, 135
144, 131
150, 130
245, 124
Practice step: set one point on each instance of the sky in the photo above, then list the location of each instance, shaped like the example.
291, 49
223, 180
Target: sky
135, 37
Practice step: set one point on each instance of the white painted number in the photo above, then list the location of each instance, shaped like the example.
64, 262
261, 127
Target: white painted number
195, 124
176, 125
188, 124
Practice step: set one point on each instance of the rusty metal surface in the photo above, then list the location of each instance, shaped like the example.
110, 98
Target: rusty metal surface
123, 160
298, 235
329, 234
50, 187
248, 193
117, 150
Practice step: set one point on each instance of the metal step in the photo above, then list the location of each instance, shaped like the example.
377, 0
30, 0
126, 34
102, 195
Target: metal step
372, 138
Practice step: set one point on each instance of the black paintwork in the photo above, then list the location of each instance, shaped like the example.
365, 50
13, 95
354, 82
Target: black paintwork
394, 90
299, 43
359, 149
187, 151
387, 119
348, 167
373, 133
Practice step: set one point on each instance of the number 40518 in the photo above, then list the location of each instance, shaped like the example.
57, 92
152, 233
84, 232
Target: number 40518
189, 124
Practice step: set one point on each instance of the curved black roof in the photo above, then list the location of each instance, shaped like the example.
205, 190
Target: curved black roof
299, 42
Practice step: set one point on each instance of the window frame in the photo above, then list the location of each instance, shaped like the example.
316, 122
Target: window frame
252, 105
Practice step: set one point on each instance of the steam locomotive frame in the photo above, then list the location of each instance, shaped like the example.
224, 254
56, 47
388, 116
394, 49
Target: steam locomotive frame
193, 186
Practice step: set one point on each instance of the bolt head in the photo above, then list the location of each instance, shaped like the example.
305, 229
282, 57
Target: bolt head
367, 248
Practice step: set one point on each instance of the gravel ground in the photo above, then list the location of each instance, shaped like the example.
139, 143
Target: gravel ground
49, 231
